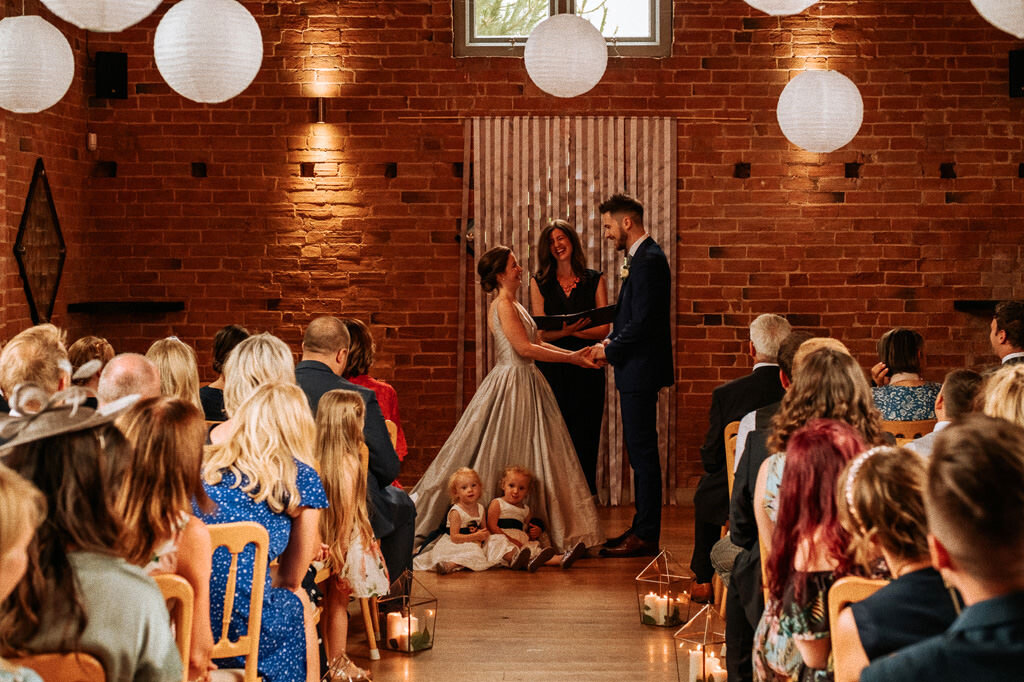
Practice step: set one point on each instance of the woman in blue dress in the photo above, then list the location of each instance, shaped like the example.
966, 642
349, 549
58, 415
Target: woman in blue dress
262, 471
901, 393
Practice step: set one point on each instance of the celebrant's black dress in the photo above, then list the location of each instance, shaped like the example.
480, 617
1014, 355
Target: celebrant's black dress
579, 391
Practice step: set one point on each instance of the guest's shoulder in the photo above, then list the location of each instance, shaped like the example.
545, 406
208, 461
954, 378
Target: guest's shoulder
311, 488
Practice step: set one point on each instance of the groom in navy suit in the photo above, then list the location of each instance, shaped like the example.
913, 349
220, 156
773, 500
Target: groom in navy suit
640, 350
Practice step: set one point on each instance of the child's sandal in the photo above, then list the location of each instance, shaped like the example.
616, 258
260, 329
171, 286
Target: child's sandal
541, 559
578, 551
521, 560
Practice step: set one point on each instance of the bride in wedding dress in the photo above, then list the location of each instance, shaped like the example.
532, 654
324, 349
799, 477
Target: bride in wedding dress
513, 420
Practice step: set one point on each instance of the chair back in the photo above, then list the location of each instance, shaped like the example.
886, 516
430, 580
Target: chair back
72, 667
236, 537
392, 431
181, 603
904, 432
844, 592
731, 429
764, 567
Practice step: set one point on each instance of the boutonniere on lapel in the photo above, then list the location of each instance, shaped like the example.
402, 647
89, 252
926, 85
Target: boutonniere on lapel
624, 272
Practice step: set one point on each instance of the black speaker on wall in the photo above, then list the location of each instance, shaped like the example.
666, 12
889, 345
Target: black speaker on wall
1016, 73
112, 75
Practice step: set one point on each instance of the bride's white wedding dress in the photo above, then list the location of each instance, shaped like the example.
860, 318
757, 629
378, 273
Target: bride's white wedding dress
513, 420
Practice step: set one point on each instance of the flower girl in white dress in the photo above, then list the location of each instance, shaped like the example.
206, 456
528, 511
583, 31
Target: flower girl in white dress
462, 546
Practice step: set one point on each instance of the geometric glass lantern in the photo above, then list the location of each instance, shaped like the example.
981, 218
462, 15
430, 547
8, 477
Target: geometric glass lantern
102, 16
781, 8
411, 615
39, 248
820, 111
565, 55
208, 50
1006, 15
700, 648
663, 593
36, 64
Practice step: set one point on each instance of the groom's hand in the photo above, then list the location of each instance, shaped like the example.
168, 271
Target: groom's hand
597, 355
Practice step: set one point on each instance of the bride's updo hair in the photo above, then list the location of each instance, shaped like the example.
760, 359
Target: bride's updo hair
491, 265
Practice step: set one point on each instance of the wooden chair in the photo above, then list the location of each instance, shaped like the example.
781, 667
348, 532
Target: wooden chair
181, 600
74, 667
844, 592
731, 429
392, 431
236, 536
764, 567
904, 432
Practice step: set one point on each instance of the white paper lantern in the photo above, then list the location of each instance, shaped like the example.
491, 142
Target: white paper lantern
36, 64
781, 8
104, 16
208, 50
1006, 15
820, 111
565, 55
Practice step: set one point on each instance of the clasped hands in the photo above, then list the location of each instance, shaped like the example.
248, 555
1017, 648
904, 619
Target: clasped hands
592, 357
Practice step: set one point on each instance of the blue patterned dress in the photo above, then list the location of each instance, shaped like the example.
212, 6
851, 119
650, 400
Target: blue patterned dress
282, 635
906, 403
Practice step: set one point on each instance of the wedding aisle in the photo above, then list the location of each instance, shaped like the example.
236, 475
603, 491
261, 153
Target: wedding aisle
579, 624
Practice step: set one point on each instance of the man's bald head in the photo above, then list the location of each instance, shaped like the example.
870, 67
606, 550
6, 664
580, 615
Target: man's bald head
325, 336
128, 374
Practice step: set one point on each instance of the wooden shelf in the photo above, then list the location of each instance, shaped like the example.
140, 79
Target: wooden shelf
126, 307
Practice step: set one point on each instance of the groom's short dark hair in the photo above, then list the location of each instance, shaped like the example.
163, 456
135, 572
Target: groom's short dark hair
623, 203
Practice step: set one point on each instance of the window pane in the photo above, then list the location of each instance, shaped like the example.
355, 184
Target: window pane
508, 17
618, 18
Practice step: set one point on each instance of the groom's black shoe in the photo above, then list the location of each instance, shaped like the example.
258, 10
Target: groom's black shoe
632, 546
618, 539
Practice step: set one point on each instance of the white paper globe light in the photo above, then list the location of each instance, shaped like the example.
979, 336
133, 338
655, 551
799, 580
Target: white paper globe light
565, 55
208, 50
820, 111
103, 16
781, 8
1006, 15
36, 64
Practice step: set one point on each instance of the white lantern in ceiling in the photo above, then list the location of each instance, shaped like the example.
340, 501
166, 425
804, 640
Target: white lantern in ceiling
1006, 15
208, 50
820, 111
36, 64
104, 16
781, 7
565, 55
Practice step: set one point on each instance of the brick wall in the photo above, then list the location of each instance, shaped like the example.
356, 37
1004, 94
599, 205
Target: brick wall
371, 232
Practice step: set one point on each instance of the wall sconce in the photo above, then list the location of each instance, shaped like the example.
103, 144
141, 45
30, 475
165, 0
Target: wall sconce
321, 107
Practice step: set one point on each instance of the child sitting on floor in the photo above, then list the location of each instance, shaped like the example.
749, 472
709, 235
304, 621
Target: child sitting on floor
462, 546
516, 537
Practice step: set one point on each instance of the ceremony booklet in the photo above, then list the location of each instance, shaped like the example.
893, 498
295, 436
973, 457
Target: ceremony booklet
597, 316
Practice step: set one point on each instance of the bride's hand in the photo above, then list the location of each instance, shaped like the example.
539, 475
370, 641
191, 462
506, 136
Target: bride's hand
582, 357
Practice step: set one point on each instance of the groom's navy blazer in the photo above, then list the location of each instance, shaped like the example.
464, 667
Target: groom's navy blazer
640, 345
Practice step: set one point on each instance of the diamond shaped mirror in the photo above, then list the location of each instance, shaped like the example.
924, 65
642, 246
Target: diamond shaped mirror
39, 248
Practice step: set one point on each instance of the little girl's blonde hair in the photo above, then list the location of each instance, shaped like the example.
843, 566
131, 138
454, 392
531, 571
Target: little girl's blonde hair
511, 471
453, 481
342, 456
22, 507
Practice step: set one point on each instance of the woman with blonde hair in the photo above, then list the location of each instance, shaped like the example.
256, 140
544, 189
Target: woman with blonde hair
263, 471
162, 482
1004, 394
179, 373
356, 563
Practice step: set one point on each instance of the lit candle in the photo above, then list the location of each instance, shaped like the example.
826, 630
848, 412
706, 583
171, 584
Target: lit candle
401, 629
656, 606
695, 668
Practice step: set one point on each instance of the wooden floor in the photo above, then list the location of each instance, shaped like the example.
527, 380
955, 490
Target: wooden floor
579, 624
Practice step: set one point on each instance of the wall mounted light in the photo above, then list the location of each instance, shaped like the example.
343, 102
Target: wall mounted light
321, 107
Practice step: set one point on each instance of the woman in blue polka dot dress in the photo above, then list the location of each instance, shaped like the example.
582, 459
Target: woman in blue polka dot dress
262, 472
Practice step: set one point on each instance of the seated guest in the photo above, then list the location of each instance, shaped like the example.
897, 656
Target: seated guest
82, 351
1004, 393
179, 373
902, 395
955, 399
1007, 332
263, 472
35, 356
162, 479
361, 350
212, 396
128, 374
881, 506
79, 594
973, 498
807, 553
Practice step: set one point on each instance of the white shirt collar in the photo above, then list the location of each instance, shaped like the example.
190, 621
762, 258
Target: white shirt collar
1007, 357
765, 364
638, 242
941, 425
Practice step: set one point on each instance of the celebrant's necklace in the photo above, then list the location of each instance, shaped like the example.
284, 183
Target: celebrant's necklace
567, 288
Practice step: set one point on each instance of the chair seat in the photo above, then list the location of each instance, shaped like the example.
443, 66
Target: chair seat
229, 675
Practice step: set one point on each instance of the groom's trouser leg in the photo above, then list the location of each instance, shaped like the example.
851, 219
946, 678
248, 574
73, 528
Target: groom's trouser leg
640, 431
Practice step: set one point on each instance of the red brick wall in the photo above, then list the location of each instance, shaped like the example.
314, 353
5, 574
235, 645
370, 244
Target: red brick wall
255, 243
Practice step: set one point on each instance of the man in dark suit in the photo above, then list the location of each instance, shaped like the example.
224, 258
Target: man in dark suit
1007, 332
392, 513
729, 403
640, 350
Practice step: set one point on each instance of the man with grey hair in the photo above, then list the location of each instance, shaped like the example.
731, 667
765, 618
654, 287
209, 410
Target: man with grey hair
128, 374
729, 402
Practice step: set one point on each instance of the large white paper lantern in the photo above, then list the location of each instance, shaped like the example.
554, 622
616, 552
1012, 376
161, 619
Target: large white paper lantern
36, 64
208, 50
104, 16
565, 55
1006, 15
820, 111
781, 8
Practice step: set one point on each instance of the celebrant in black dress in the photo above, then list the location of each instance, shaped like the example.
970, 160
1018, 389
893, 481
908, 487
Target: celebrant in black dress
564, 285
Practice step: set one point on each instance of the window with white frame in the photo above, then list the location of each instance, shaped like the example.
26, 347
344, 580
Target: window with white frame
499, 28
